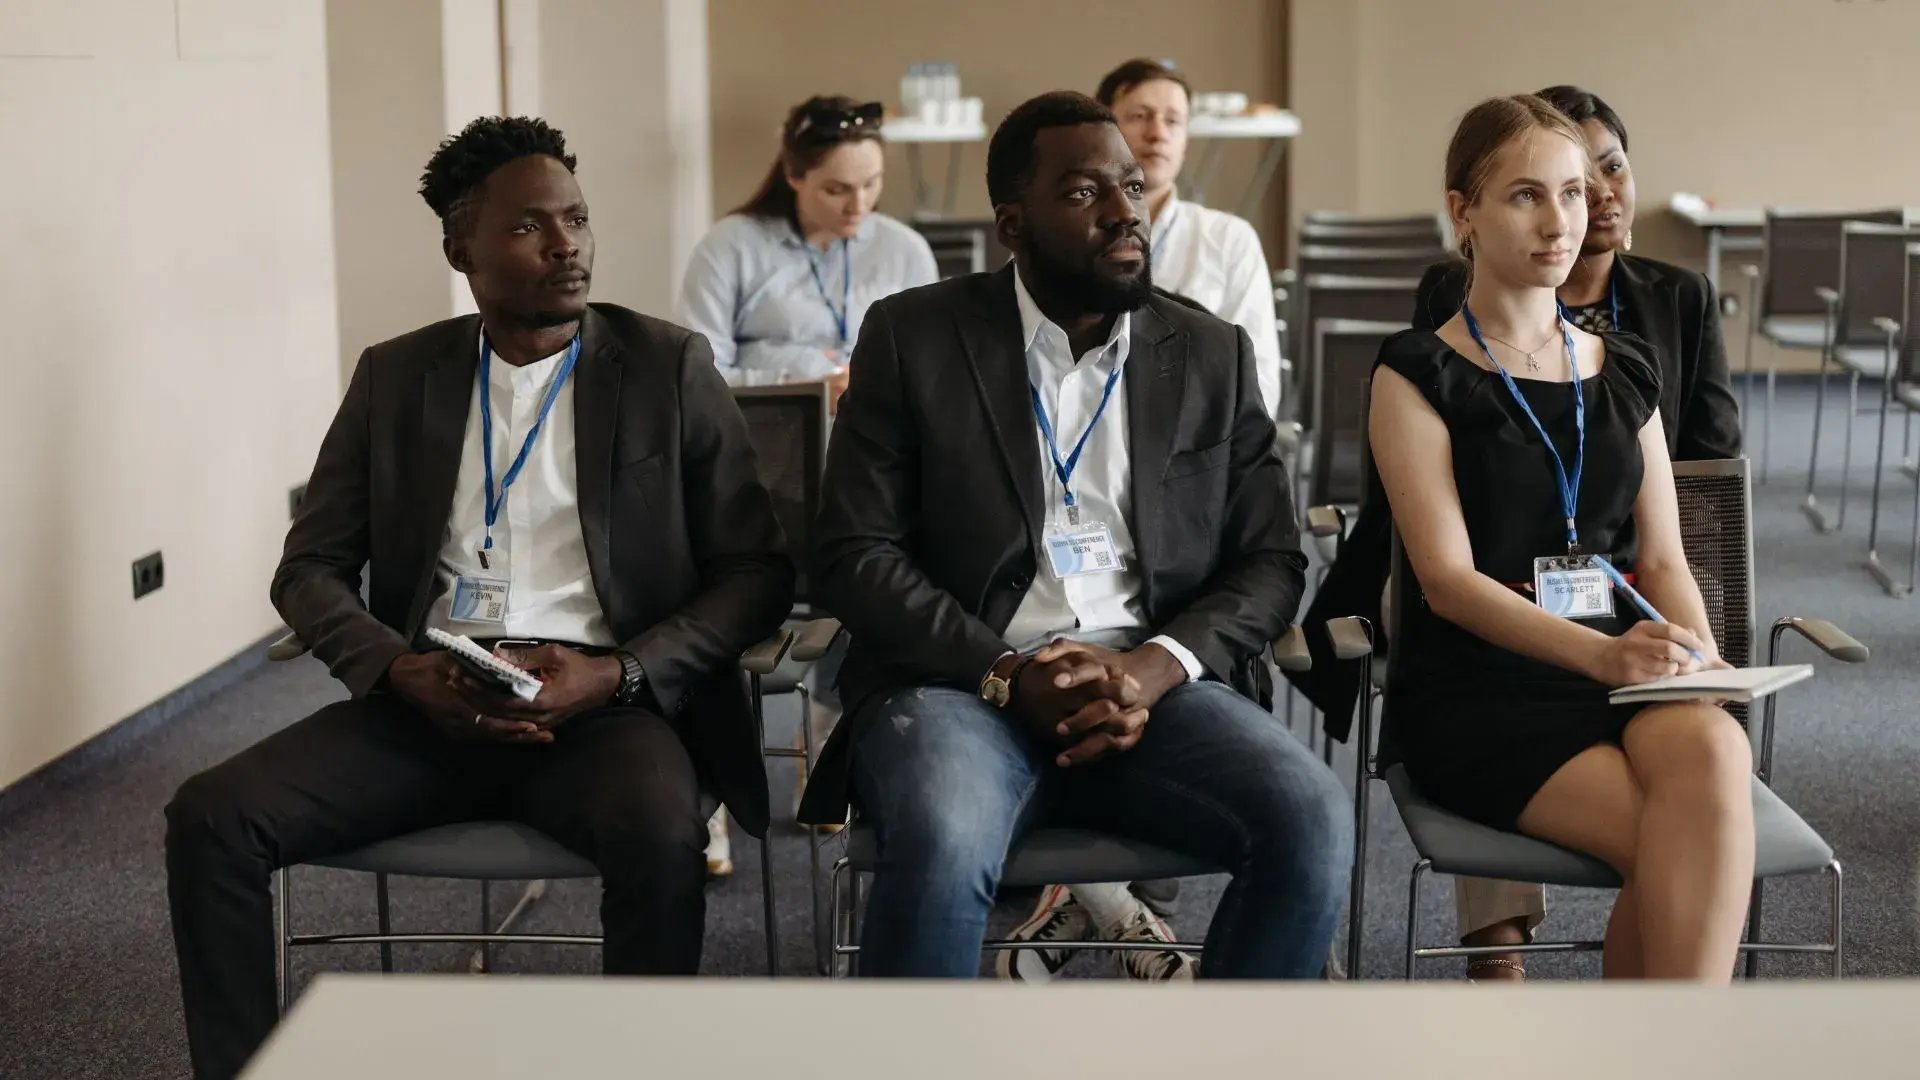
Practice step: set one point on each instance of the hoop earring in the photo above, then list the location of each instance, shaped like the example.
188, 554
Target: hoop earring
1628, 246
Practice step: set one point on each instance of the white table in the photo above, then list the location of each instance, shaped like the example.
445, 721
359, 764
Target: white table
911, 132
1726, 230
1276, 128
479, 1028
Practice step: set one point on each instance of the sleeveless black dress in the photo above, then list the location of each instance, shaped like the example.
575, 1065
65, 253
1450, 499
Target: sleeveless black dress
1480, 728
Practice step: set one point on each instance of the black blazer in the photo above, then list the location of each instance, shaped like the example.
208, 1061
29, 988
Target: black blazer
688, 560
931, 524
1670, 307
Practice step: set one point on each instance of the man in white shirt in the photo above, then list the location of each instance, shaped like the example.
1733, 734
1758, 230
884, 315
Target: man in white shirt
1056, 527
570, 483
1208, 256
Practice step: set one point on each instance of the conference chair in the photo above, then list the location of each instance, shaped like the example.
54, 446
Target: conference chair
1716, 524
788, 426
1422, 233
1374, 262
1337, 296
488, 851
1358, 218
1902, 388
1345, 351
1792, 300
1872, 271
1047, 856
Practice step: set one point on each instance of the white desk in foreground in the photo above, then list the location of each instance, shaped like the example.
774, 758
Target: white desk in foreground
499, 1027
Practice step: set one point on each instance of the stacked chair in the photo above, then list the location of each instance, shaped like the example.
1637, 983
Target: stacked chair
1901, 389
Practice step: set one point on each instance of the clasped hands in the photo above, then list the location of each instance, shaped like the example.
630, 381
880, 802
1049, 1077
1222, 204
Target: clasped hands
1089, 700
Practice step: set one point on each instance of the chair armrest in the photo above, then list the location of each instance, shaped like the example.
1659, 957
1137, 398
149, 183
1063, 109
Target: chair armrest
1828, 296
1284, 276
814, 639
1750, 270
1290, 651
1326, 520
764, 657
1351, 640
1887, 326
1828, 638
287, 648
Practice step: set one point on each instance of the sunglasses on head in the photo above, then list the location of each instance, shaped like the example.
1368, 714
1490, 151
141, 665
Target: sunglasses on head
831, 122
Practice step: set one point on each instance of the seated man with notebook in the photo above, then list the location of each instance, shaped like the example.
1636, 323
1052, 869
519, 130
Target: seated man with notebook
571, 481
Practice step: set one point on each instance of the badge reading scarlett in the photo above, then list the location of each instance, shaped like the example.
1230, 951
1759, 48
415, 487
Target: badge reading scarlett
479, 599
1572, 587
1079, 550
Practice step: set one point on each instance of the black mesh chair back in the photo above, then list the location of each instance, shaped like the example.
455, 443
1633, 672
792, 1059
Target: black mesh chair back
1347, 349
962, 245
1399, 262
1354, 217
1872, 279
788, 427
1910, 320
1338, 296
1801, 253
1716, 529
1424, 234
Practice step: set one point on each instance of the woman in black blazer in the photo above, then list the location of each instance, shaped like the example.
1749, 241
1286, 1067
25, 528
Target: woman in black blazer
1671, 308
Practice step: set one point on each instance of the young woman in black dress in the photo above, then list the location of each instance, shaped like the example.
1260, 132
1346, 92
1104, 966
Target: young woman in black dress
1519, 454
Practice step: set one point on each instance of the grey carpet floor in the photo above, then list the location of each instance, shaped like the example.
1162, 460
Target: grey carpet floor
87, 977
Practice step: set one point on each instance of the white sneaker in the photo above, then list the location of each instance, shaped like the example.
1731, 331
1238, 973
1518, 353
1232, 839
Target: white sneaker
1058, 917
719, 845
1150, 965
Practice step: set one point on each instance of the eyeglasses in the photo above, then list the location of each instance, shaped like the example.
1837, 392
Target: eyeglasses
828, 123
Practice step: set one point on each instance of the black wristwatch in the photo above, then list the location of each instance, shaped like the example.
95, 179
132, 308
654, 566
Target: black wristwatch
633, 678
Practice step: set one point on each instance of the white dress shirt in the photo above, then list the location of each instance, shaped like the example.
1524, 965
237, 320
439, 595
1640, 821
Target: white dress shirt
537, 543
1104, 609
1214, 259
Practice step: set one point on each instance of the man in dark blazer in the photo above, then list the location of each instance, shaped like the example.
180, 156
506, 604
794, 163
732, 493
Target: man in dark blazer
575, 477
1057, 529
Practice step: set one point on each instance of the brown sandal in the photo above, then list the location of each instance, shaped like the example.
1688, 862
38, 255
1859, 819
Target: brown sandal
1485, 962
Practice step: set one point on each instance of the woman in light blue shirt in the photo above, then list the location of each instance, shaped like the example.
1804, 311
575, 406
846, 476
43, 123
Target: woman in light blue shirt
780, 285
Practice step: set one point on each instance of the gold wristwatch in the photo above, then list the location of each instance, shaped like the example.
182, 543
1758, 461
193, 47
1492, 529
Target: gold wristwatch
997, 688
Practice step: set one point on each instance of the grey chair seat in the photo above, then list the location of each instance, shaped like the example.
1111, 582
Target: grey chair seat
1795, 331
1907, 394
1869, 361
1064, 857
784, 679
1784, 843
474, 851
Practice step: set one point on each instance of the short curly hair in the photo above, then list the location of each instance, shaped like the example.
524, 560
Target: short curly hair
1010, 156
454, 175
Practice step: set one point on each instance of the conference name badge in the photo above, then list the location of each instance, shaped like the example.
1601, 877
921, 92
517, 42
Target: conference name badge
480, 599
1080, 550
1572, 587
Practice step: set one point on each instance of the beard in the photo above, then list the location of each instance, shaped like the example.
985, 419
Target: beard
1088, 290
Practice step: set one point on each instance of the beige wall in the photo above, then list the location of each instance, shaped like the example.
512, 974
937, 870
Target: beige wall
768, 55
171, 353
1751, 103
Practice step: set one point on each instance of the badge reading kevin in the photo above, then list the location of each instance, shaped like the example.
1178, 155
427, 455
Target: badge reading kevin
1079, 550
479, 599
1572, 587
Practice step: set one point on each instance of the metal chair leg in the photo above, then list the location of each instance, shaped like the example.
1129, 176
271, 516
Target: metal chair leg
1766, 425
282, 933
853, 920
385, 913
822, 949
1846, 450
1754, 903
486, 925
772, 928
1839, 921
1874, 567
1746, 382
1357, 894
1413, 909
1811, 507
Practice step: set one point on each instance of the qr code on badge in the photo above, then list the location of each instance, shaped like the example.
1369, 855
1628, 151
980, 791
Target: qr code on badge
1102, 559
496, 611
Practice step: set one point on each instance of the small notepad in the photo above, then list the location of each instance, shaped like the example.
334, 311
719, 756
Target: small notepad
1739, 684
485, 664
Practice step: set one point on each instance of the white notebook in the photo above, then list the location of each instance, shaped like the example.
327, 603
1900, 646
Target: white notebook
485, 664
1739, 684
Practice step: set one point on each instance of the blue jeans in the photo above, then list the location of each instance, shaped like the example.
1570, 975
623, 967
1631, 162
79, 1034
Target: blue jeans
948, 784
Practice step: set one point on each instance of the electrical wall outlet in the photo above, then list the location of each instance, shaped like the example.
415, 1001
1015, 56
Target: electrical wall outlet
149, 574
294, 498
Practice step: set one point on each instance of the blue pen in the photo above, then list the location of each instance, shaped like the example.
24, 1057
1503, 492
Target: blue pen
1639, 601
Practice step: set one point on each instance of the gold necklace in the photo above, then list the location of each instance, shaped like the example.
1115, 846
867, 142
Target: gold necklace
1532, 364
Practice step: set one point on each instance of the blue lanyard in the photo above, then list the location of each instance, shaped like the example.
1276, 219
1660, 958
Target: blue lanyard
1613, 293
495, 502
1064, 469
1569, 488
846, 287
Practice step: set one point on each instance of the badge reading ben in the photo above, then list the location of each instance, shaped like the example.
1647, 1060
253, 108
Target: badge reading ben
1079, 550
